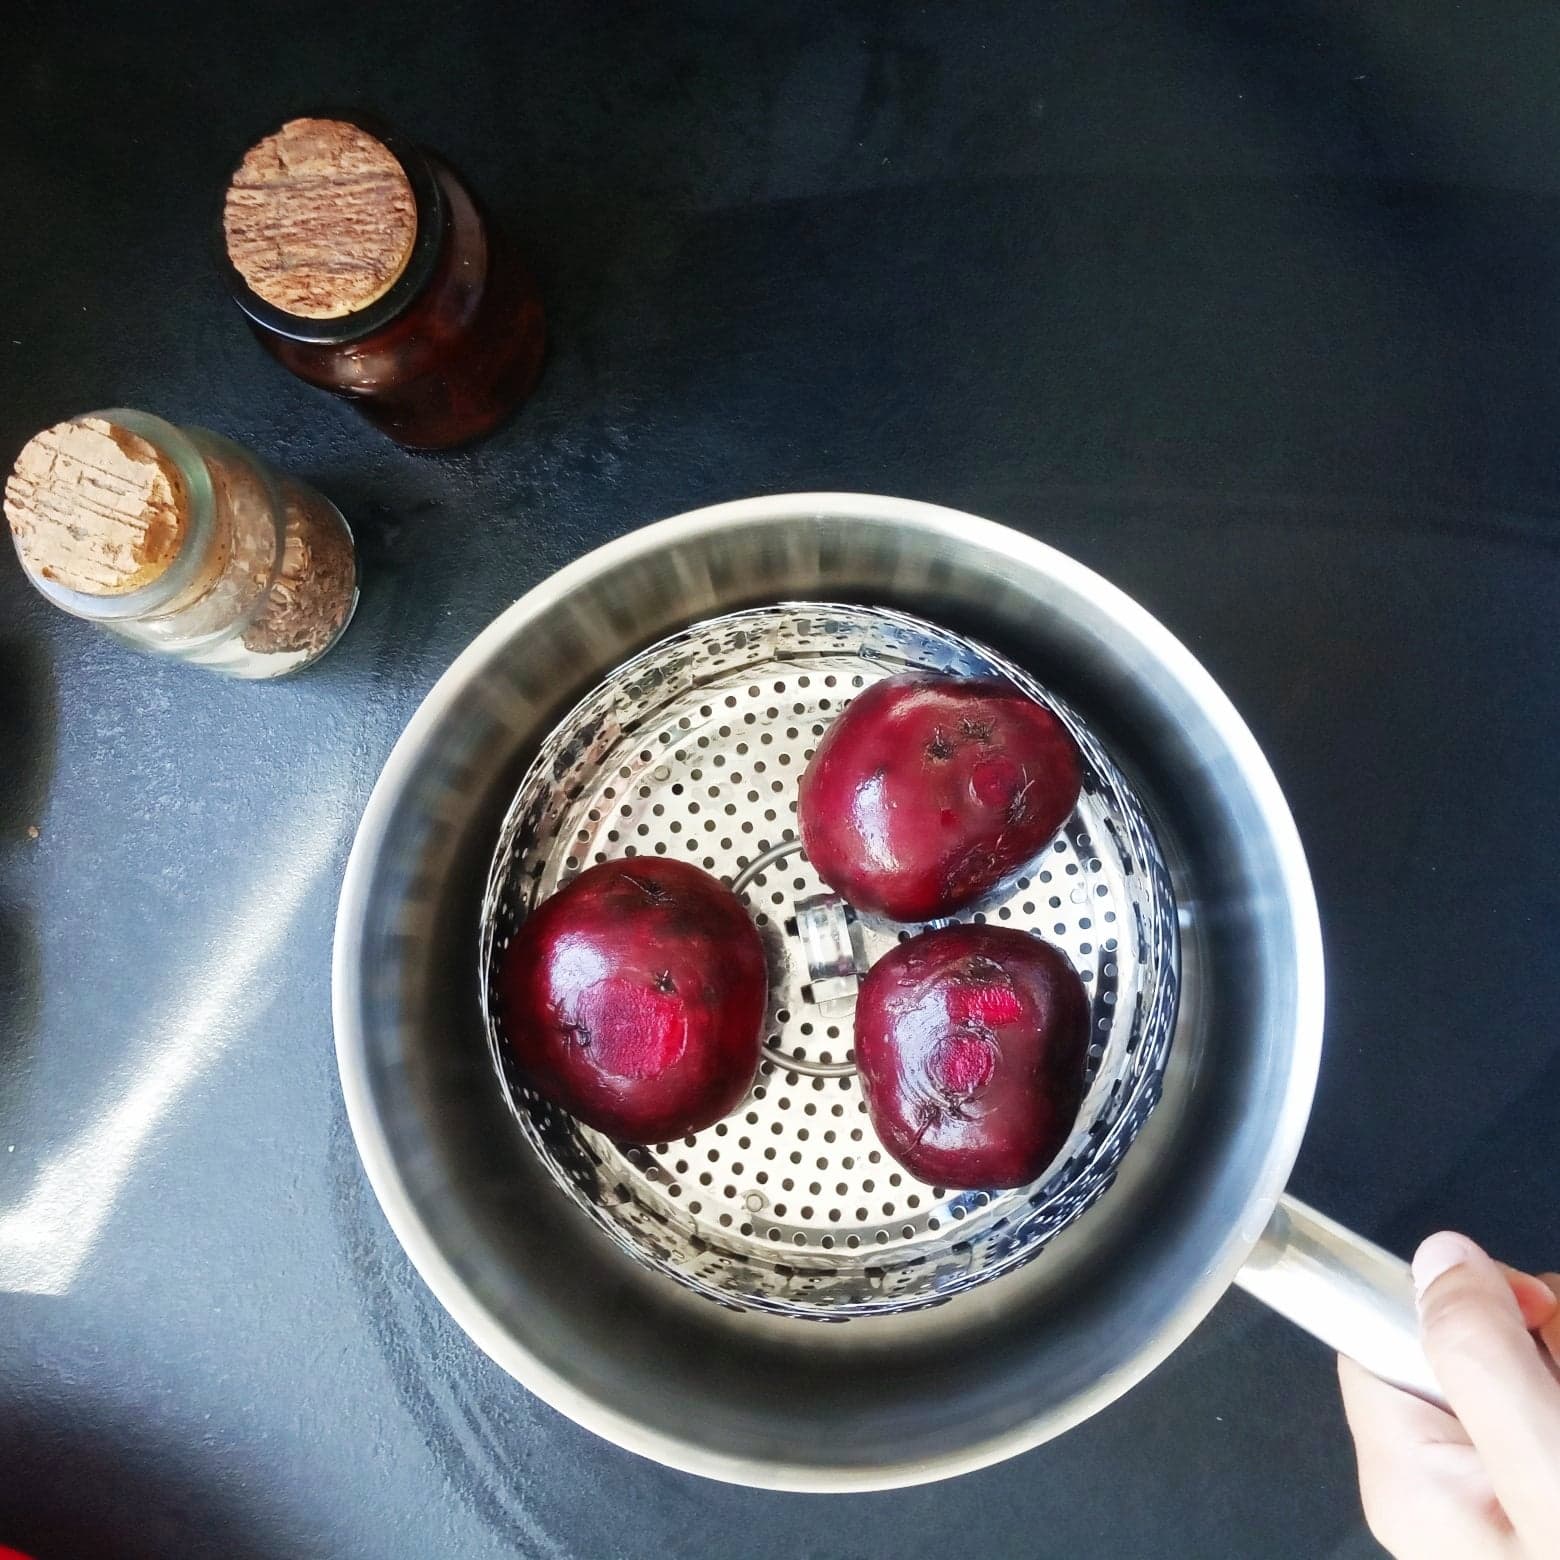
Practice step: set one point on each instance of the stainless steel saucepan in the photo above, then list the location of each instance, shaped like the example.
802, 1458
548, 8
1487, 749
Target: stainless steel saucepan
773, 1303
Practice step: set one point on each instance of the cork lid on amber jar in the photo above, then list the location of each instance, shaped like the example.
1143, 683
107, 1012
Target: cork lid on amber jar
330, 227
95, 508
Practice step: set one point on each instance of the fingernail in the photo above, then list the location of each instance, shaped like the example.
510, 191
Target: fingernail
1438, 1254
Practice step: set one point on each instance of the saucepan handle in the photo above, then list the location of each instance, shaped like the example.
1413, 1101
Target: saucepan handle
1347, 1291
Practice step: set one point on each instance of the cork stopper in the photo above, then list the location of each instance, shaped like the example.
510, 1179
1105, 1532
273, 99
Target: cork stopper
319, 219
96, 508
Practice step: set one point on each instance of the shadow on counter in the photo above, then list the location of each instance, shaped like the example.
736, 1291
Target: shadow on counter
87, 1479
27, 726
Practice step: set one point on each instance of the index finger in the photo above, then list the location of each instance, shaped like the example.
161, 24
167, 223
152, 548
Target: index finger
1537, 1300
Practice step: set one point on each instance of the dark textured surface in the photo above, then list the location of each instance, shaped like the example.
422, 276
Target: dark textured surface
1255, 309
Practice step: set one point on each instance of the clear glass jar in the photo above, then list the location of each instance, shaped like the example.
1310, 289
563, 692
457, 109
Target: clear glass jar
265, 578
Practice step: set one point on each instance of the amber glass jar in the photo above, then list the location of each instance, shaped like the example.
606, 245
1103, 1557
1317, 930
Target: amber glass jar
367, 268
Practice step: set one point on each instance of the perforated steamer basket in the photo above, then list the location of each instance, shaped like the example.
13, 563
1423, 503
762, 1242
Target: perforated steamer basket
693, 750
665, 1330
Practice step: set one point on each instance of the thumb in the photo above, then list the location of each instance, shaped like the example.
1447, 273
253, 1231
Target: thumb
1493, 1375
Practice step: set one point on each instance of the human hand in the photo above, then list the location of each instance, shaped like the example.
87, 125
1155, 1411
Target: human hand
1482, 1482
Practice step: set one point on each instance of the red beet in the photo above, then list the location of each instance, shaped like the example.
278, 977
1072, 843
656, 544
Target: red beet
972, 1043
928, 791
635, 999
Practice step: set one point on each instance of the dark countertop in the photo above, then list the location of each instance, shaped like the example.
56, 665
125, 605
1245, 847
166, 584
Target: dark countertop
1256, 310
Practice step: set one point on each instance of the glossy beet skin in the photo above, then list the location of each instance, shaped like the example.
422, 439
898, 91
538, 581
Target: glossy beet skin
972, 1042
928, 791
635, 999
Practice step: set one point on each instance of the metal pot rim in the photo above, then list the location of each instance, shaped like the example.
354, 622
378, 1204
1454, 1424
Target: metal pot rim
420, 1243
